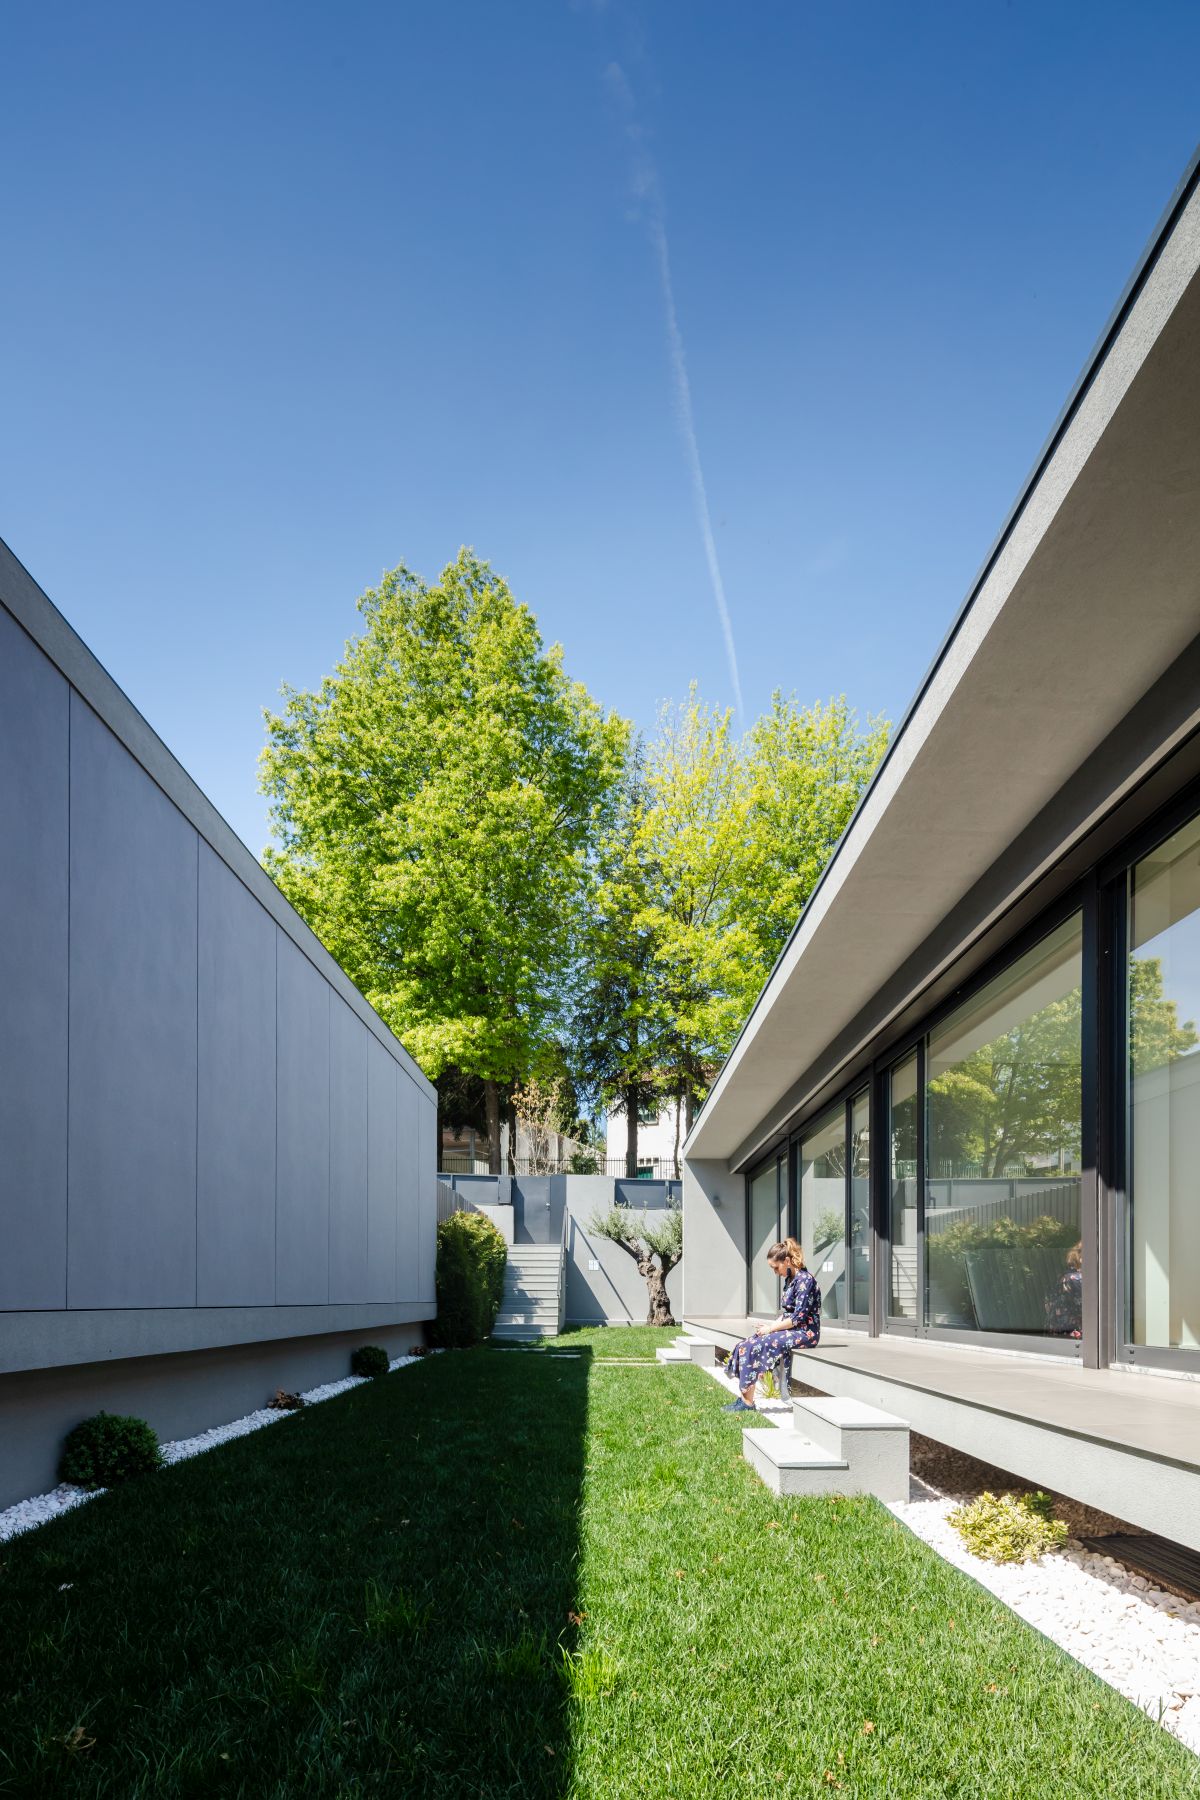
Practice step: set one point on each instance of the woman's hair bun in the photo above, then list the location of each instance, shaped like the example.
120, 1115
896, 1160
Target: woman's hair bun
787, 1250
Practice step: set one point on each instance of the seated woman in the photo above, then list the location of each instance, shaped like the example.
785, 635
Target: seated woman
1064, 1305
798, 1326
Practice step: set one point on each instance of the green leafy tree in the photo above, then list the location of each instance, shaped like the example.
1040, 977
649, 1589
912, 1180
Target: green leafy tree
805, 771
690, 832
436, 805
616, 1026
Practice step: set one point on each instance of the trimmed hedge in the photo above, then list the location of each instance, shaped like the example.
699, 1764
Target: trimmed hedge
107, 1449
369, 1359
471, 1258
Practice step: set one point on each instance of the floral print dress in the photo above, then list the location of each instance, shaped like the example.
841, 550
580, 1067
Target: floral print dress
755, 1355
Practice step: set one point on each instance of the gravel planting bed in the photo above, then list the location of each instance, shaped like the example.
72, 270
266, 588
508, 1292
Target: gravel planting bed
27, 1514
1140, 1638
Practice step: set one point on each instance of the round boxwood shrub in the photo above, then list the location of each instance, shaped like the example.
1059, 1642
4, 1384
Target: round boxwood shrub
471, 1256
107, 1449
369, 1359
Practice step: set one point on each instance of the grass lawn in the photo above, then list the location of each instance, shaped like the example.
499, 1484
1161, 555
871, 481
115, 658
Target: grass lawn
520, 1575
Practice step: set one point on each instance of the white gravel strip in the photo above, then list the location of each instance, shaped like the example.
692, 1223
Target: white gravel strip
1141, 1640
27, 1514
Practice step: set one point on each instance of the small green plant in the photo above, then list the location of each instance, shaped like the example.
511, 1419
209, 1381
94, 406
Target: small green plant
369, 1359
522, 1660
392, 1613
1009, 1527
471, 1259
107, 1449
588, 1673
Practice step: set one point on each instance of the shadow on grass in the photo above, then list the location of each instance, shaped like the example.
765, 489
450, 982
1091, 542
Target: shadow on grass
371, 1597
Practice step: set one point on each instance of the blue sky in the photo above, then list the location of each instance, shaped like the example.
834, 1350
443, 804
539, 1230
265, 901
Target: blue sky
294, 293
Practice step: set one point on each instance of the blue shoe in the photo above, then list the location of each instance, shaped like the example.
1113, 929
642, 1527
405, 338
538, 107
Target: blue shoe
738, 1405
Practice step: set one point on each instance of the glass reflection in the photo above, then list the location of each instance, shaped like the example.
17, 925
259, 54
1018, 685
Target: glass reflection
823, 1208
1164, 1094
1003, 1112
860, 1203
902, 1156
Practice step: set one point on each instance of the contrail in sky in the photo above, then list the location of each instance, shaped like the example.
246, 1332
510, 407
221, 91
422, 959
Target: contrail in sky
648, 190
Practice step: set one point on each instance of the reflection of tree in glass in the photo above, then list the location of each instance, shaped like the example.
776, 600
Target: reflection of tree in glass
1156, 1036
827, 1229
1014, 1099
1017, 1099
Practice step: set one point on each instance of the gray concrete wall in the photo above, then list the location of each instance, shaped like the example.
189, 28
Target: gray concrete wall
180, 1395
714, 1227
613, 1292
204, 1126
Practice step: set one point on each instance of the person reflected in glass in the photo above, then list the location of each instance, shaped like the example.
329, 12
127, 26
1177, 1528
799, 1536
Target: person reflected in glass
1064, 1306
798, 1326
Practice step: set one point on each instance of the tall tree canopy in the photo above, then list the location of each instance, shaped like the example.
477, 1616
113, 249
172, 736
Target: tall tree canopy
720, 845
806, 769
436, 806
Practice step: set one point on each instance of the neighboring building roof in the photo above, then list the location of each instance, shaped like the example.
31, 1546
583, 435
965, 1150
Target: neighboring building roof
1089, 596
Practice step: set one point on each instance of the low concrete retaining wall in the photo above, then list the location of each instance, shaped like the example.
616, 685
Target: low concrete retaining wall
603, 1284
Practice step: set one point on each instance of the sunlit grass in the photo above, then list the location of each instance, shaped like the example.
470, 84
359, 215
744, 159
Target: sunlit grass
505, 1575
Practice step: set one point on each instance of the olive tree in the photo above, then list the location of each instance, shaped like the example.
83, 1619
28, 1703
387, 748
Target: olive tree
655, 1246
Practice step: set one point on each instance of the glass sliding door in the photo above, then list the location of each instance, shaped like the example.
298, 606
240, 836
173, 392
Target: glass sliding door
902, 1191
1003, 1145
823, 1207
860, 1204
1162, 1300
766, 1198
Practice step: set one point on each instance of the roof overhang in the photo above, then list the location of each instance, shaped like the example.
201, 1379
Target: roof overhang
1090, 595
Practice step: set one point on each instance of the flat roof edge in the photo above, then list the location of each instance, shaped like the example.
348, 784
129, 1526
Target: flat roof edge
1184, 191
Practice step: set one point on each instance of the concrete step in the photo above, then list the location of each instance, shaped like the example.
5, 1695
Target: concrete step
874, 1443
534, 1253
689, 1350
792, 1465
549, 1289
525, 1331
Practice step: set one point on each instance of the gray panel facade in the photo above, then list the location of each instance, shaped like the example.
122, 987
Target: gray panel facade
188, 1163
348, 1042
408, 1230
425, 1169
131, 1237
235, 1170
382, 1174
34, 747
302, 1132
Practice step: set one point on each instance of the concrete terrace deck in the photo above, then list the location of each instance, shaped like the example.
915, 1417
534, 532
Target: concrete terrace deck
1123, 1440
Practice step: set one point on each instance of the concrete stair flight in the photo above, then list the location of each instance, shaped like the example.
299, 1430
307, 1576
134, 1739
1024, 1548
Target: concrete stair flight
834, 1447
534, 1292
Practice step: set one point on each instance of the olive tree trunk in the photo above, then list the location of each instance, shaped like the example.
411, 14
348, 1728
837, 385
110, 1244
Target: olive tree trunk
656, 1286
